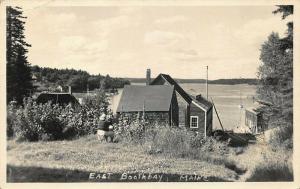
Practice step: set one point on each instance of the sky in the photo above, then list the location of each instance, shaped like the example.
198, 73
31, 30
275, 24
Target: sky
178, 40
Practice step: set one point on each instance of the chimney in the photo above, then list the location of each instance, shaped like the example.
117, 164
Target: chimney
148, 76
70, 89
198, 97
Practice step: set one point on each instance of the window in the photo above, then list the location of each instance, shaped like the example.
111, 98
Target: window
194, 122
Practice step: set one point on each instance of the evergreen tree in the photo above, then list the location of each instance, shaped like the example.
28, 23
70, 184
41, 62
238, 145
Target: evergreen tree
18, 73
276, 77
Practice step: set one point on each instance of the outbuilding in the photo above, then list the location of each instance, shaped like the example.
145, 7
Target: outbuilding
157, 103
57, 98
254, 118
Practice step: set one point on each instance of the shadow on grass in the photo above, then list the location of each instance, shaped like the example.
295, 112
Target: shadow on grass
20, 174
271, 174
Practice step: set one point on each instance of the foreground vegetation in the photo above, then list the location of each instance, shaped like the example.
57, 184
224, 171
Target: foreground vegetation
89, 155
73, 160
33, 122
65, 149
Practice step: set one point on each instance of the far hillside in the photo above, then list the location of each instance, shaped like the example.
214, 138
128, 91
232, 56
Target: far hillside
50, 78
249, 81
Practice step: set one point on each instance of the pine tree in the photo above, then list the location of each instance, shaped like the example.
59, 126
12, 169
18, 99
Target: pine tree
18, 73
276, 77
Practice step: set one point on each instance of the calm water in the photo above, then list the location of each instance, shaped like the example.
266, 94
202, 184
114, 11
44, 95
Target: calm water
227, 99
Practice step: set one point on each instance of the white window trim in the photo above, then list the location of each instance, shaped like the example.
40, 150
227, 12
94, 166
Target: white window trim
191, 122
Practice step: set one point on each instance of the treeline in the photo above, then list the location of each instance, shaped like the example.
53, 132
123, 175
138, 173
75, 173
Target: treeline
234, 81
275, 84
79, 80
248, 81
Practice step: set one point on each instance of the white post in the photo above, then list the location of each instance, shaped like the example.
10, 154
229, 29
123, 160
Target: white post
206, 99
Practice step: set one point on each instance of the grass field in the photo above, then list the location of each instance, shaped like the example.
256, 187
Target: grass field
73, 161
34, 161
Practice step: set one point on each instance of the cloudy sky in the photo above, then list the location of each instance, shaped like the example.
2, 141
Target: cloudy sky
178, 40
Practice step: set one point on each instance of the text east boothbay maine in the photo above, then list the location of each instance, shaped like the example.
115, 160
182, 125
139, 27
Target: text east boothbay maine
145, 177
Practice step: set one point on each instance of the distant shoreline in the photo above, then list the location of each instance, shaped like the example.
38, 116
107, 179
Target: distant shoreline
249, 81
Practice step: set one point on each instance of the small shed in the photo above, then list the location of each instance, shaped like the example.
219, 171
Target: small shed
57, 98
198, 111
254, 119
152, 103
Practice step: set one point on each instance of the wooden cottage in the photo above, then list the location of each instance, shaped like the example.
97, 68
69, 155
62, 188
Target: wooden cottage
57, 98
198, 112
152, 103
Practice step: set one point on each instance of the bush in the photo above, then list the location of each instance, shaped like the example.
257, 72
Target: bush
282, 136
174, 141
97, 101
33, 122
169, 140
10, 119
52, 128
133, 132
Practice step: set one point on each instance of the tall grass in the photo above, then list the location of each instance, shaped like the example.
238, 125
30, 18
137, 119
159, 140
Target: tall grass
282, 136
171, 141
276, 165
272, 172
265, 164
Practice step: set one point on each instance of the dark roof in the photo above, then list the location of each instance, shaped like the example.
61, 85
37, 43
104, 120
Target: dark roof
255, 108
188, 98
265, 103
155, 98
252, 110
202, 102
57, 98
177, 87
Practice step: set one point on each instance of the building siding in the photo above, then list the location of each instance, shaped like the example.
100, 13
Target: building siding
193, 110
251, 121
209, 122
151, 117
174, 112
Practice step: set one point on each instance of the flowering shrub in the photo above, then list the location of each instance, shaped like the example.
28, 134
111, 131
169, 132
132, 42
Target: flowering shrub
33, 122
96, 101
130, 132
